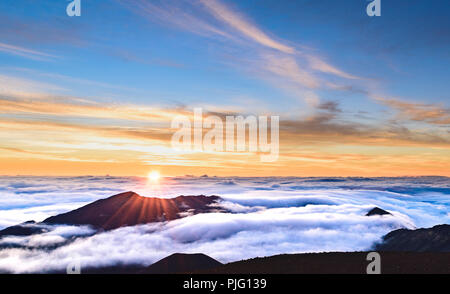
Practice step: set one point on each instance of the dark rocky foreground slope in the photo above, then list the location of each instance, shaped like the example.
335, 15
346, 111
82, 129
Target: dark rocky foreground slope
128, 209
339, 263
435, 239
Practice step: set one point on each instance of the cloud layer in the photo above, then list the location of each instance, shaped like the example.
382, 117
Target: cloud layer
268, 216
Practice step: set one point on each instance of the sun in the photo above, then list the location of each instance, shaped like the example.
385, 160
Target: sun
154, 176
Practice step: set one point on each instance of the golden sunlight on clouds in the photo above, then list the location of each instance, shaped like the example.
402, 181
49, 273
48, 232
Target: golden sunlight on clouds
436, 114
42, 137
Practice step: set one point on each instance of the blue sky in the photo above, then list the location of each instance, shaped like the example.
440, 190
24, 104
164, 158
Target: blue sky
403, 53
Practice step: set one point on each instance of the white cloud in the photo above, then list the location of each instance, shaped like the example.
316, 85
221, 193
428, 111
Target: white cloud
53, 235
227, 237
268, 216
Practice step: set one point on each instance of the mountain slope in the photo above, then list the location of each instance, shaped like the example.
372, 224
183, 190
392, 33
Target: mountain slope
24, 229
182, 263
339, 263
129, 208
435, 239
377, 211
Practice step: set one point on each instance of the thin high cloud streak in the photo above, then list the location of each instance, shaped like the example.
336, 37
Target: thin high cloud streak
25, 52
268, 216
239, 23
290, 67
12, 87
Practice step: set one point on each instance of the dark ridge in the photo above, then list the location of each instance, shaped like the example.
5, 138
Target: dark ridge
182, 263
327, 180
129, 208
25, 229
30, 222
377, 211
435, 239
339, 263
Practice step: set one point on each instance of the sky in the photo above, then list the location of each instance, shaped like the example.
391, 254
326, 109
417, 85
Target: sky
96, 94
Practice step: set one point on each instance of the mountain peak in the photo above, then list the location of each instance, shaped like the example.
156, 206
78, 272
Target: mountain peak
128, 194
377, 211
182, 263
129, 208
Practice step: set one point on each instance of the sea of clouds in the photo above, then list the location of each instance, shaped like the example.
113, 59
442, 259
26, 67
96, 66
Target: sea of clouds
267, 216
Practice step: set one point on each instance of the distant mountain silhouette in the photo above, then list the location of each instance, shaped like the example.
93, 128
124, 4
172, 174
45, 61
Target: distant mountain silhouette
182, 263
129, 208
23, 229
435, 239
377, 211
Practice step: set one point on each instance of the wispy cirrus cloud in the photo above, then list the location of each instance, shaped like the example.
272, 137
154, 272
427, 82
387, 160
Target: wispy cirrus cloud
23, 87
320, 65
289, 66
25, 52
238, 22
179, 14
